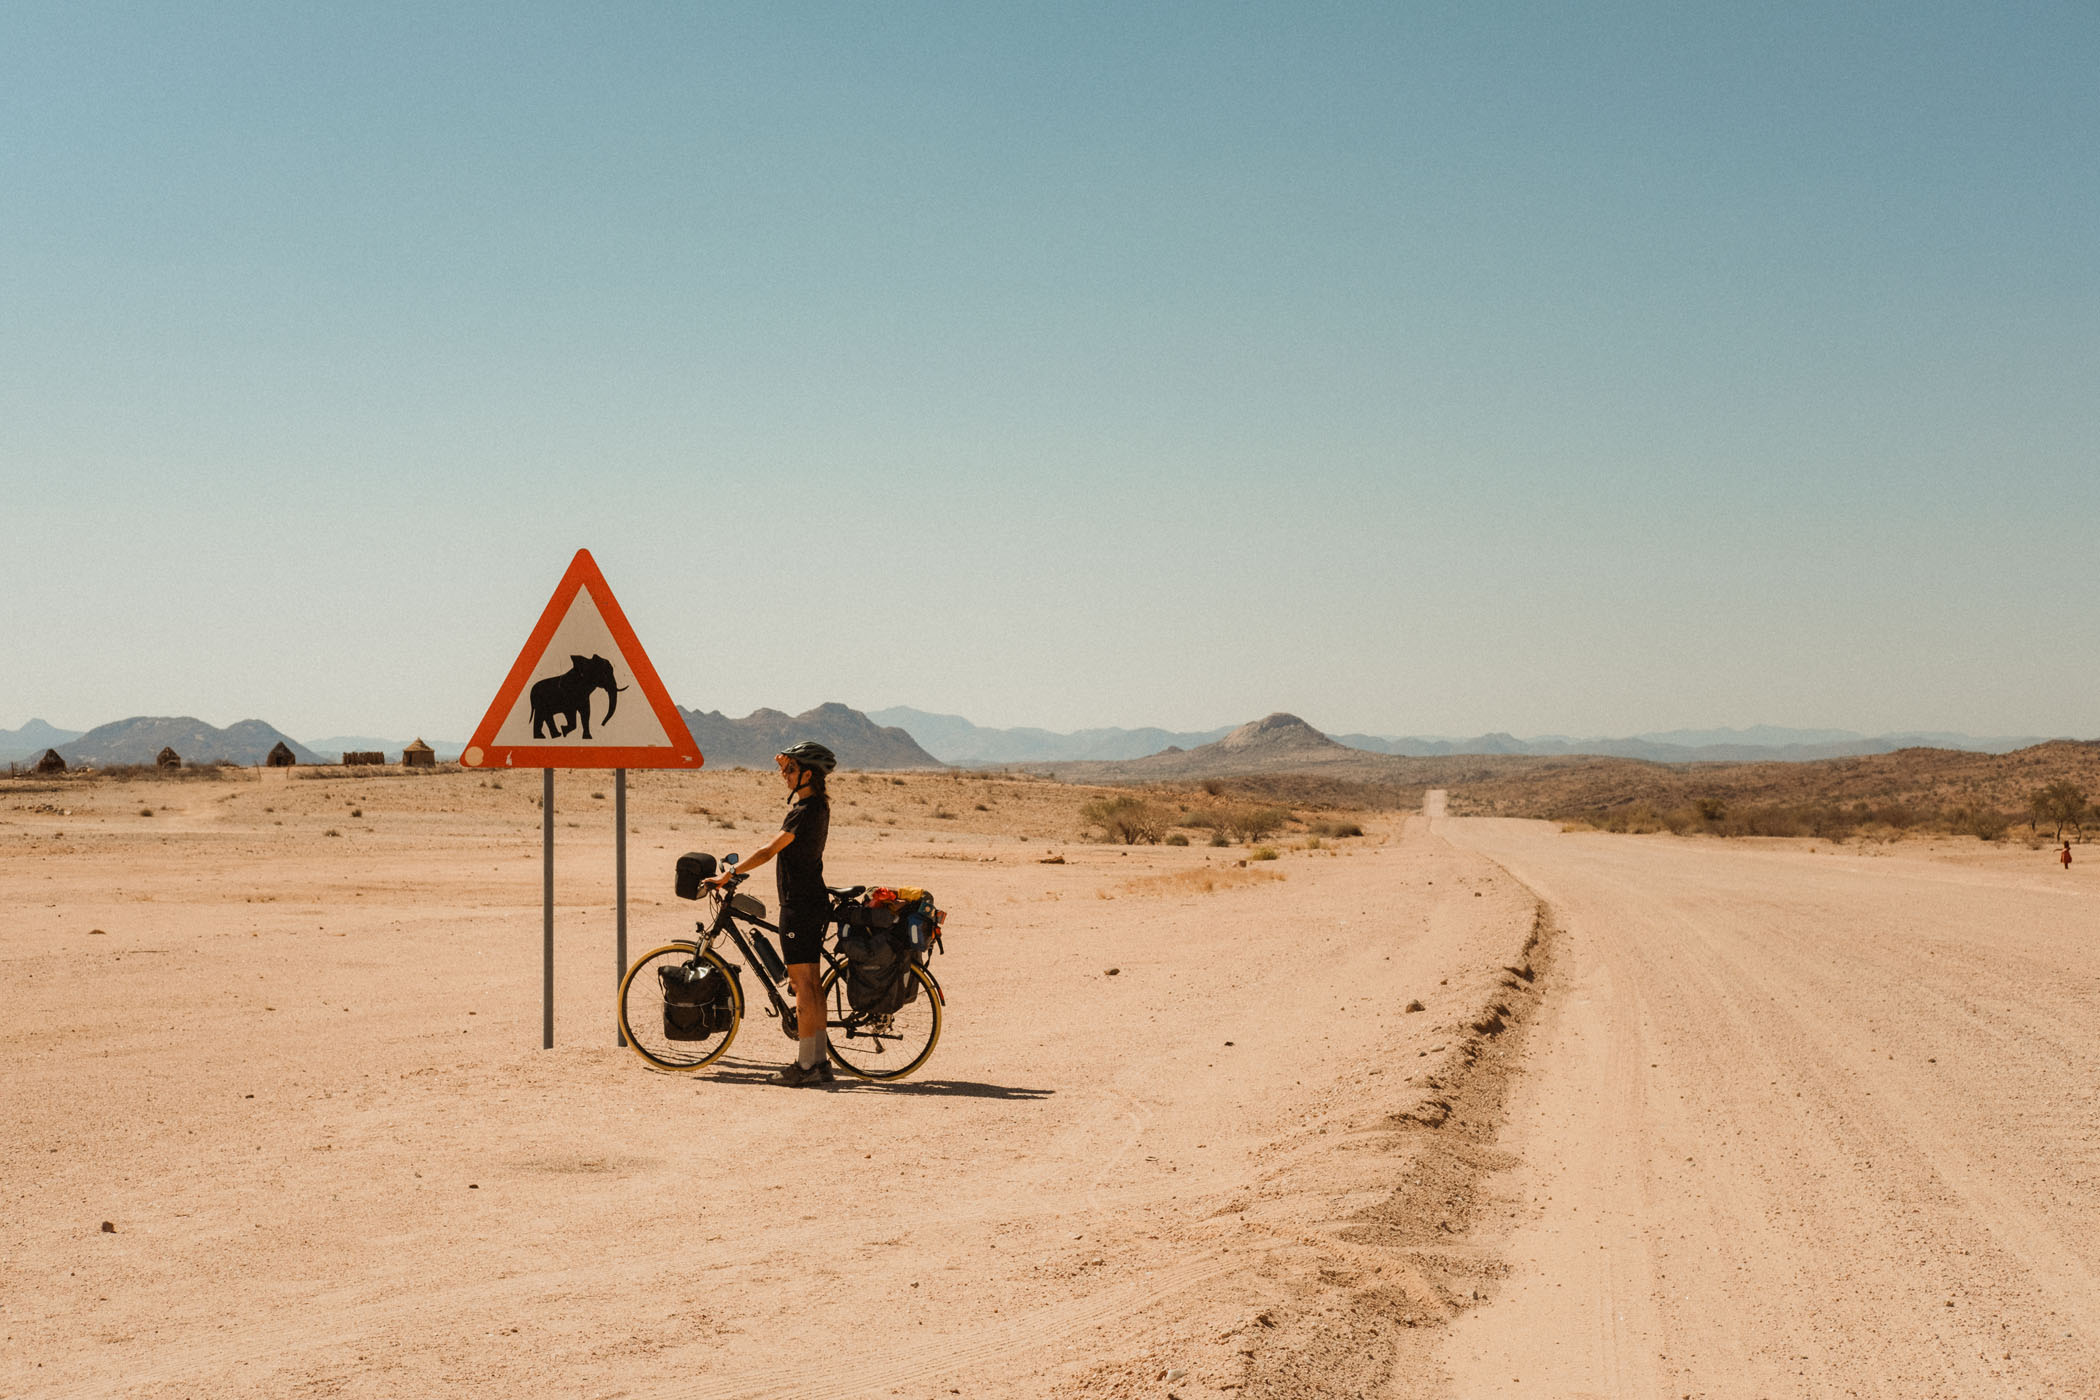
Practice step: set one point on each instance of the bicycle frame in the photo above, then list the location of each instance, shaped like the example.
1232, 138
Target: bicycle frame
726, 923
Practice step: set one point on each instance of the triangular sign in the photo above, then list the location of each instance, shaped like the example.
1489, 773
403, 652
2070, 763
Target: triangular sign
582, 694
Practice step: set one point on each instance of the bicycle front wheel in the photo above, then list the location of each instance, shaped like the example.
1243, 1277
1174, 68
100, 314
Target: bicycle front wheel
655, 1036
888, 1046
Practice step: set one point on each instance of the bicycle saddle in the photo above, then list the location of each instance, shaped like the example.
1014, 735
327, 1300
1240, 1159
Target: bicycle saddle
850, 892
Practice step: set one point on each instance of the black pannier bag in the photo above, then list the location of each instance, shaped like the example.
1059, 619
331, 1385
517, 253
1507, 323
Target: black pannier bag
693, 867
878, 964
697, 1001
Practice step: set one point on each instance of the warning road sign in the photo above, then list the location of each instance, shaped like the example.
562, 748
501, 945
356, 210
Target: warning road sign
582, 694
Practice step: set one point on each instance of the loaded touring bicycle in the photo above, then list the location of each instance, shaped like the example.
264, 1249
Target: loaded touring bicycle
682, 1004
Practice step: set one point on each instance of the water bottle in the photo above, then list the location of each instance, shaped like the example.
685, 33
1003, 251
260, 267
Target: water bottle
768, 960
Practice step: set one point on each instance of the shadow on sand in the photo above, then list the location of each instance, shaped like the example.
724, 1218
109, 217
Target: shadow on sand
731, 1071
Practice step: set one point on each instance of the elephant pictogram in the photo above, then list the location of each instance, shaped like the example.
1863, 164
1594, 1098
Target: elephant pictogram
558, 702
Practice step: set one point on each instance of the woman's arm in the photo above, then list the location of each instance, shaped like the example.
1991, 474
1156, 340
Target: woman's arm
757, 858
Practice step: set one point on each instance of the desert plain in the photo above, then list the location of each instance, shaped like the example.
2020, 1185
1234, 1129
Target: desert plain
1454, 1107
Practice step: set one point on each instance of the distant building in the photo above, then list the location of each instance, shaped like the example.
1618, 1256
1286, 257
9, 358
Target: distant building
356, 757
168, 758
50, 762
419, 755
280, 757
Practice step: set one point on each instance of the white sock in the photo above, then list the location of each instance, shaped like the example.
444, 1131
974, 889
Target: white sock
810, 1052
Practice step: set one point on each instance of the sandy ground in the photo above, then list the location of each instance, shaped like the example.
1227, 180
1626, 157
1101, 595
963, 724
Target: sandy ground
283, 1037
1801, 1121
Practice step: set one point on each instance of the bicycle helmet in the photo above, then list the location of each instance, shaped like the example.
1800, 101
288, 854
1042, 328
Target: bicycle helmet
812, 755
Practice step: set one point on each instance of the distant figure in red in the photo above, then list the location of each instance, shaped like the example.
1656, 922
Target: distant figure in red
2065, 855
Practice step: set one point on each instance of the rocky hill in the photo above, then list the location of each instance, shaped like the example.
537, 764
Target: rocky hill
752, 741
1278, 743
140, 738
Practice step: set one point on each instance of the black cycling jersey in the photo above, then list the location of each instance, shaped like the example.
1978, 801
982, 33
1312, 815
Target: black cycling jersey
803, 899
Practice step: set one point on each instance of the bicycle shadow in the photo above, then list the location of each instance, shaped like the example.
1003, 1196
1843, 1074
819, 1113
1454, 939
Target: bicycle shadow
750, 1072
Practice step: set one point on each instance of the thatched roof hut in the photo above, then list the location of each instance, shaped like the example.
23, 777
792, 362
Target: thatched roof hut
280, 757
419, 755
167, 758
50, 762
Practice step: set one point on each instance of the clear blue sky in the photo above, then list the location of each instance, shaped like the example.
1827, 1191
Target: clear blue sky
1420, 369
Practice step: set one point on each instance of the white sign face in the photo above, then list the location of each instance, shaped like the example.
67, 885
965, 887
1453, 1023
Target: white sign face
579, 693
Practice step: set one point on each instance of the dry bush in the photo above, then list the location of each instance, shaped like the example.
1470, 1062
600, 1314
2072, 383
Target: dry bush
1334, 830
1129, 820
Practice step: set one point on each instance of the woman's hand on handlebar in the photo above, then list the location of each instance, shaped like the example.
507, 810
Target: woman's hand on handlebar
719, 882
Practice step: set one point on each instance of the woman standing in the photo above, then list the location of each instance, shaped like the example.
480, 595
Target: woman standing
805, 902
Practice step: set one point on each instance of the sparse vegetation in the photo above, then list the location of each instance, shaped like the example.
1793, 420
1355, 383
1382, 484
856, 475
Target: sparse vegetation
1126, 819
2060, 804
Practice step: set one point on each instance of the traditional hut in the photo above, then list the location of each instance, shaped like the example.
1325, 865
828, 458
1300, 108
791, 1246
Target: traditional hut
50, 762
419, 755
355, 758
280, 757
167, 758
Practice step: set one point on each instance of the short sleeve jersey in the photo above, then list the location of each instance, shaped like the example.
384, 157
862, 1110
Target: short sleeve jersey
801, 865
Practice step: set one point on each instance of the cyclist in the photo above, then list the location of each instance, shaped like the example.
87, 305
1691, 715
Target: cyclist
805, 903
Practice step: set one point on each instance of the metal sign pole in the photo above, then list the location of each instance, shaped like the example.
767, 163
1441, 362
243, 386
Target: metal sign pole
547, 909
619, 893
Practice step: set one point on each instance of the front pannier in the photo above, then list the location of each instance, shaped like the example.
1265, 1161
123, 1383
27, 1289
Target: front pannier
698, 1003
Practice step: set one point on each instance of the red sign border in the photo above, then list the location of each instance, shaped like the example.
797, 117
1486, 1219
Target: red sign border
582, 576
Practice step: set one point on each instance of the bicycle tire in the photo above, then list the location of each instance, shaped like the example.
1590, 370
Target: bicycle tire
641, 999
870, 1057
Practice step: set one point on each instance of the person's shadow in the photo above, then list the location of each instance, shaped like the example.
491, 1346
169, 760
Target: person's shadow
734, 1071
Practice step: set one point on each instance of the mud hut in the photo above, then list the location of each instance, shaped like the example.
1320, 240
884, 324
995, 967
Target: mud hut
419, 755
280, 757
167, 758
50, 762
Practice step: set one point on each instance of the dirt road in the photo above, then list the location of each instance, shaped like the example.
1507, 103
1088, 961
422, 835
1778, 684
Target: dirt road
284, 1039
1800, 1121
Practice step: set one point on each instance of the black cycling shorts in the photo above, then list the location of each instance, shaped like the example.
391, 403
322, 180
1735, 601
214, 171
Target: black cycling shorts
801, 937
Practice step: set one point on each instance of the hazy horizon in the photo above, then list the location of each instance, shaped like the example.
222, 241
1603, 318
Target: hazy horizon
1450, 373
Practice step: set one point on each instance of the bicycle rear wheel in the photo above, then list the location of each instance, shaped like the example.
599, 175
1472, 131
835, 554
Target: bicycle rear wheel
882, 1047
642, 1018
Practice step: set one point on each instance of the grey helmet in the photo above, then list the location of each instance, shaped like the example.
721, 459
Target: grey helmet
812, 755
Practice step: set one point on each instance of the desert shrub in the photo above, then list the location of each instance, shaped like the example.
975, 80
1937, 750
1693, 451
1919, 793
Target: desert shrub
1896, 814
1335, 829
1130, 820
1249, 822
1709, 809
1984, 823
1219, 838
1176, 838
1264, 853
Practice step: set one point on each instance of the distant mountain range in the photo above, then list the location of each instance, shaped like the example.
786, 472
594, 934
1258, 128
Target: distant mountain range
1762, 744
752, 741
1275, 744
953, 739
140, 739
903, 737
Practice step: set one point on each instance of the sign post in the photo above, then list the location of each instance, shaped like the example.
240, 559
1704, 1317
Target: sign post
545, 715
